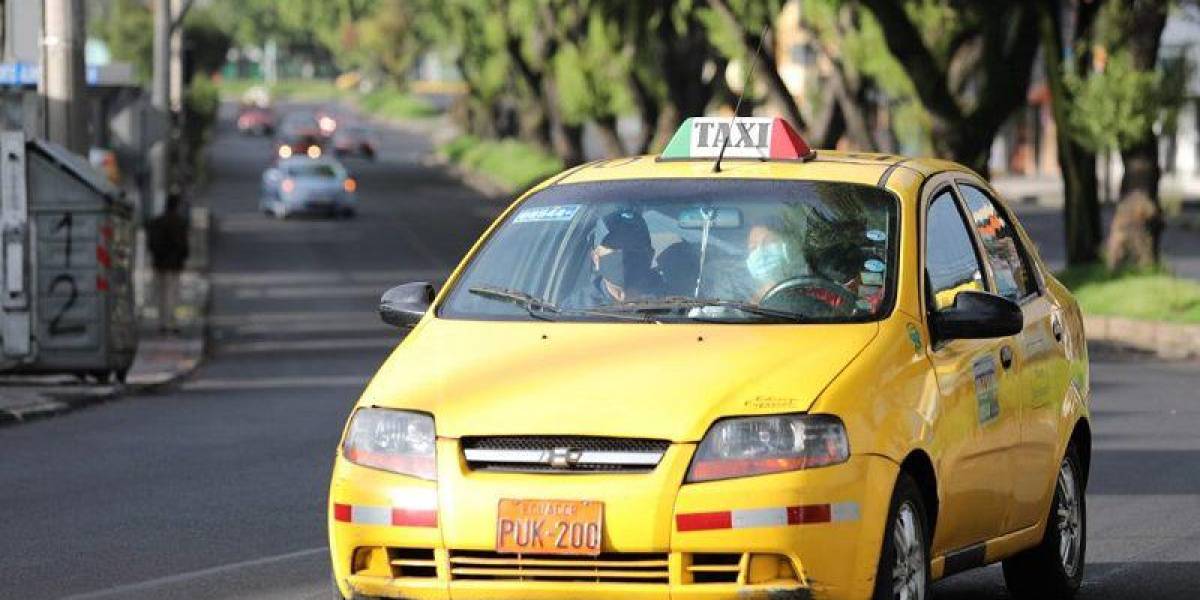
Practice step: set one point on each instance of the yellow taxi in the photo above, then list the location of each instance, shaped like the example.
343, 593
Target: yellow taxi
741, 369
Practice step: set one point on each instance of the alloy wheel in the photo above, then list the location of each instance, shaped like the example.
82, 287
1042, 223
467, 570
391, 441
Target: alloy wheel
908, 574
1068, 517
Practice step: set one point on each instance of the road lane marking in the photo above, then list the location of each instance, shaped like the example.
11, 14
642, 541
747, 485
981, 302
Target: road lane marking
300, 277
266, 383
330, 290
289, 316
122, 590
313, 327
308, 345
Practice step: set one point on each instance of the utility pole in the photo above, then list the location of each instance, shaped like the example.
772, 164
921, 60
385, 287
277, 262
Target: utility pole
175, 95
62, 81
160, 91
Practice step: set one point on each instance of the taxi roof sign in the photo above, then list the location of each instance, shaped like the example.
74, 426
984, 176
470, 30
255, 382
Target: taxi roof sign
761, 138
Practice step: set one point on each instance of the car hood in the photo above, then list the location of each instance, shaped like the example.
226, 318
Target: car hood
629, 380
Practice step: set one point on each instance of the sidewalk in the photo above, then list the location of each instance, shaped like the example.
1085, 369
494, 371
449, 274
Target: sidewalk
160, 360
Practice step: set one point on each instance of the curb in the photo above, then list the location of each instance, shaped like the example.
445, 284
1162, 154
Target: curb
1171, 341
54, 403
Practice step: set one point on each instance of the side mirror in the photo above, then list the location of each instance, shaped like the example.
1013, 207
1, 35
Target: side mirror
977, 315
405, 305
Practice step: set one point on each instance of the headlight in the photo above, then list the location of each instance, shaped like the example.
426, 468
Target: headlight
744, 446
393, 440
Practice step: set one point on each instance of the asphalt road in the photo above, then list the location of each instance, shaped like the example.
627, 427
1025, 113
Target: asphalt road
217, 488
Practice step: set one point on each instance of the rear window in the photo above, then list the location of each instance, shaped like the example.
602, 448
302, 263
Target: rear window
313, 170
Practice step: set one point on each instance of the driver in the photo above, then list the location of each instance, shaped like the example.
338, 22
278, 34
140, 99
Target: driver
768, 259
621, 264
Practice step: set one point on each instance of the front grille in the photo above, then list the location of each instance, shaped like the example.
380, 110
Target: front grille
714, 567
558, 454
608, 567
412, 562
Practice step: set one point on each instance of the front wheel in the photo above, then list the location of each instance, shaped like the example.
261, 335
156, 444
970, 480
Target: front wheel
1053, 570
903, 572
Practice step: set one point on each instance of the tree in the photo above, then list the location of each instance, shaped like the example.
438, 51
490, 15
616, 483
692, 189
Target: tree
970, 64
1136, 228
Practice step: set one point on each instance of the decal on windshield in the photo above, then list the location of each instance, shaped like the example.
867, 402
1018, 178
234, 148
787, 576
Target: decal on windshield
875, 265
986, 387
876, 235
546, 214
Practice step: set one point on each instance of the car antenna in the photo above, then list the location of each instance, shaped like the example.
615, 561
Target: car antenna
737, 107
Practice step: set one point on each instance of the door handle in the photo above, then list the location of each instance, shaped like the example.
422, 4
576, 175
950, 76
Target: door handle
1006, 357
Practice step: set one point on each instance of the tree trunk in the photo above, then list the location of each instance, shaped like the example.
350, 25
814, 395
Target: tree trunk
1081, 206
567, 138
648, 114
1133, 237
610, 138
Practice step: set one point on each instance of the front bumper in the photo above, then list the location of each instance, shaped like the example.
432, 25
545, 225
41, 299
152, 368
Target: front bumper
758, 537
318, 203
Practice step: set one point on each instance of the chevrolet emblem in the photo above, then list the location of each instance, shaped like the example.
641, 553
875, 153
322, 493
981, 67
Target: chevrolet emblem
563, 457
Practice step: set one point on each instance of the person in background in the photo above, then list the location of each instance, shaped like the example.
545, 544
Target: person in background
167, 239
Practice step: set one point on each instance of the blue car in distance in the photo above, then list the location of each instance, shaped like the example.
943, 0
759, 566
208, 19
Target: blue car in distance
302, 185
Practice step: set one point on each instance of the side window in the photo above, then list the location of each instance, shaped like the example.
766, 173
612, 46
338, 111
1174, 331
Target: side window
951, 265
1010, 265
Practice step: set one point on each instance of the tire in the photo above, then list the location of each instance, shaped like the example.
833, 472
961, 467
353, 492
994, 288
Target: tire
1053, 570
903, 571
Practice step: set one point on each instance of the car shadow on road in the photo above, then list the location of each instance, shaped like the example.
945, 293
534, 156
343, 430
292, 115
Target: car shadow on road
1105, 581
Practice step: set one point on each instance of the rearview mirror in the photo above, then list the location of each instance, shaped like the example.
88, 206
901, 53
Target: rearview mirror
723, 217
977, 315
405, 305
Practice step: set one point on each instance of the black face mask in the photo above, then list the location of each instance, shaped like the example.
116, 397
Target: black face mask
622, 268
612, 268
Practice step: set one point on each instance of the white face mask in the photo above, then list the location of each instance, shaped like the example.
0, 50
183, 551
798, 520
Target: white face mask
766, 262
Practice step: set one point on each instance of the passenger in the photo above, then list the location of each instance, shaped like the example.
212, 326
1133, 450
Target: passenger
621, 264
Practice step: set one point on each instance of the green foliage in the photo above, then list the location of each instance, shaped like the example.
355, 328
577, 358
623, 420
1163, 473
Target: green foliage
511, 163
1115, 107
200, 104
864, 53
1152, 295
127, 28
587, 72
391, 103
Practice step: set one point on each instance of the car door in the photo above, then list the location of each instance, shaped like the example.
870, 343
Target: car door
979, 422
1041, 363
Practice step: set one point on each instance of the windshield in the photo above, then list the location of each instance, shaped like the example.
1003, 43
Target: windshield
744, 251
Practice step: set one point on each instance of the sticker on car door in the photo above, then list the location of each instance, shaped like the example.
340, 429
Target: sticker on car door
986, 389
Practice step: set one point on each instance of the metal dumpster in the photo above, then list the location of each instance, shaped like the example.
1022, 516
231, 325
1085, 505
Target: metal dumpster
66, 301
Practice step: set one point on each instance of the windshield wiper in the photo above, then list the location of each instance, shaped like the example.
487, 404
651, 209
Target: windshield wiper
685, 302
536, 307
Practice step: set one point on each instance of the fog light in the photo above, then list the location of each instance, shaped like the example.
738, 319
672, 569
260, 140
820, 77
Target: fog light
771, 568
371, 561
